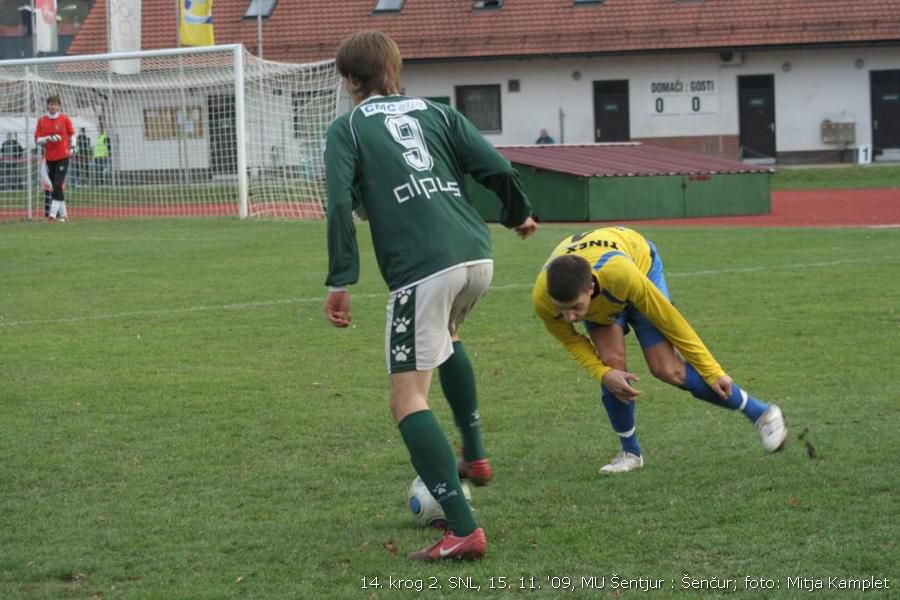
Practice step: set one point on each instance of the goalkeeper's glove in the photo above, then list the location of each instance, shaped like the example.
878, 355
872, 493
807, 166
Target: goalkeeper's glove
55, 138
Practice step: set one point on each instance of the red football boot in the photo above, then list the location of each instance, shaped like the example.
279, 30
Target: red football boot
479, 472
470, 547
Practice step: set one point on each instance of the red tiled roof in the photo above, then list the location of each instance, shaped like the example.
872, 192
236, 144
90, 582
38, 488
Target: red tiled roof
310, 30
622, 160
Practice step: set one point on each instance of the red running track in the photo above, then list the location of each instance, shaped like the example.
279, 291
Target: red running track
814, 208
803, 208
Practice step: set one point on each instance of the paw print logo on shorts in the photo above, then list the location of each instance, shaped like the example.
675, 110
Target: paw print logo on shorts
439, 489
403, 296
401, 324
401, 352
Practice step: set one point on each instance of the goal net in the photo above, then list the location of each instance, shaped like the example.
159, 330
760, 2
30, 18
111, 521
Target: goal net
191, 131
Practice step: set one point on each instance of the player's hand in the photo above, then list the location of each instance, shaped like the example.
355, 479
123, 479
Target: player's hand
337, 309
527, 228
54, 138
619, 384
723, 387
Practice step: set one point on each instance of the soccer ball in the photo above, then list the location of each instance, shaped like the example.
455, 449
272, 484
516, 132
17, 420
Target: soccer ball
426, 511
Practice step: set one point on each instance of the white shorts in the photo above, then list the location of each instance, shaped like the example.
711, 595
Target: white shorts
423, 317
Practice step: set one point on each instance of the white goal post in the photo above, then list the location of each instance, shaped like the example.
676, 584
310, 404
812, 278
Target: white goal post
205, 131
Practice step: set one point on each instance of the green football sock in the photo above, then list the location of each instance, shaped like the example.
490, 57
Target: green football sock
432, 457
458, 382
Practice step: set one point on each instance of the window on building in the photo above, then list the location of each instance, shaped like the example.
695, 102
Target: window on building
487, 4
577, 2
388, 5
481, 104
260, 8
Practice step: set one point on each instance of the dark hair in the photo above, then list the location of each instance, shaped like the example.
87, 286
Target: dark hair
54, 98
567, 277
372, 60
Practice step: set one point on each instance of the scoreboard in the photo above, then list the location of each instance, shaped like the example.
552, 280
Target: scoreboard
683, 97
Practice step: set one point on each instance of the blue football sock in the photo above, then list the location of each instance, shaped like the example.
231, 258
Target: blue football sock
739, 399
621, 417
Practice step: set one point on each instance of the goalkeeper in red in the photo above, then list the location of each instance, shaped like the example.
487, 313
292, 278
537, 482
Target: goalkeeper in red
403, 160
612, 280
56, 134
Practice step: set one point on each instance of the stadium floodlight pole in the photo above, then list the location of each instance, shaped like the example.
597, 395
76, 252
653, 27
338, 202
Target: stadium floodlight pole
240, 132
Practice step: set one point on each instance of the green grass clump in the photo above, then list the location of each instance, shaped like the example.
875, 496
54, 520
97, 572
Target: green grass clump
837, 177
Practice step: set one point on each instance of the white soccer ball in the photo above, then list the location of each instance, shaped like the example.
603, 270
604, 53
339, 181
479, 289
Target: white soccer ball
426, 511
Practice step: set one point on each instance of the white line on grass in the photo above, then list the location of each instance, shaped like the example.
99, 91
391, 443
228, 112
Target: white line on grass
512, 286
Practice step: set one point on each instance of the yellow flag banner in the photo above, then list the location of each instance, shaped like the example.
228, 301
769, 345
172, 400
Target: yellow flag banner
196, 27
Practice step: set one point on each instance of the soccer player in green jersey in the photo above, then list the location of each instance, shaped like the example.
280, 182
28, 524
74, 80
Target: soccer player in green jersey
403, 160
612, 279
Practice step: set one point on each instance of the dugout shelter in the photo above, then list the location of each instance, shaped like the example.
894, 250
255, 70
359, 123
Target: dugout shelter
629, 181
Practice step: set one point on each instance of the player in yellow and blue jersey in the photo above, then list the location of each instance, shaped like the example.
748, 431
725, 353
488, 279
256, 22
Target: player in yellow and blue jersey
612, 280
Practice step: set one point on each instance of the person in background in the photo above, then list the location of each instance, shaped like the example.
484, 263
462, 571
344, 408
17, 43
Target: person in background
544, 138
11, 153
82, 167
102, 150
404, 159
612, 280
56, 134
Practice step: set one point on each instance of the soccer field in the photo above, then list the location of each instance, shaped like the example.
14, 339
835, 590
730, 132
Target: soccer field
178, 420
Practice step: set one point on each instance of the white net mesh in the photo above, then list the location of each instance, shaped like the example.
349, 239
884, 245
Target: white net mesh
173, 123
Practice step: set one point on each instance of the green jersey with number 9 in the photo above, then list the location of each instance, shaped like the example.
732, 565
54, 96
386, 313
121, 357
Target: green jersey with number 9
404, 160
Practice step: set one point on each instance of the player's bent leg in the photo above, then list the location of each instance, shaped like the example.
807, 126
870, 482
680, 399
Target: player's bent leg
457, 379
429, 451
409, 393
666, 365
609, 341
622, 418
457, 376
664, 362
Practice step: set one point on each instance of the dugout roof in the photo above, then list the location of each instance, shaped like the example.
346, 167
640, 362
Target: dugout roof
623, 160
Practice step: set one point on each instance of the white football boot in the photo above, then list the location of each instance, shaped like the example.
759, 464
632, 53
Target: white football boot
772, 429
623, 462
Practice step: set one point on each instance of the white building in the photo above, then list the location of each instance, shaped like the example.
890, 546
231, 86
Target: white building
796, 81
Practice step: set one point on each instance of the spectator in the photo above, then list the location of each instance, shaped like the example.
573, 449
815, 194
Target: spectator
11, 153
544, 138
82, 167
102, 151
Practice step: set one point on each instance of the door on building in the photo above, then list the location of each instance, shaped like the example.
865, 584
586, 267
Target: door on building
611, 123
756, 115
222, 135
885, 90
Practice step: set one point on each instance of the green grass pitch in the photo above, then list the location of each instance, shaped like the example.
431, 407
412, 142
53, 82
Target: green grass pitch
178, 420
